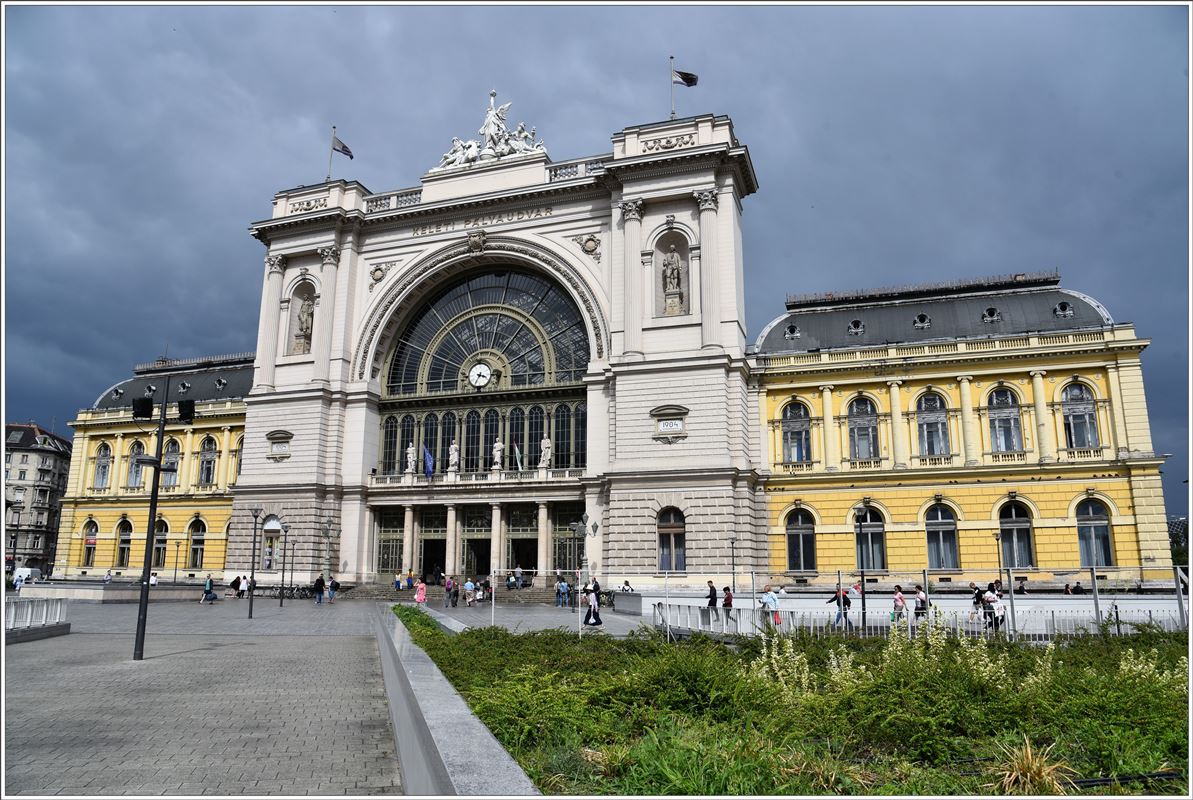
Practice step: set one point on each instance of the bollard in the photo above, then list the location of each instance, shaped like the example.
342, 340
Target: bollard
1093, 581
1011, 593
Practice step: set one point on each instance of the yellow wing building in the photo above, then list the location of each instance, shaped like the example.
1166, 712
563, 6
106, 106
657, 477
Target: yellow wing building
105, 512
959, 429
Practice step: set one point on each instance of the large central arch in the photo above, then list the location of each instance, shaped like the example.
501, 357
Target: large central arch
393, 309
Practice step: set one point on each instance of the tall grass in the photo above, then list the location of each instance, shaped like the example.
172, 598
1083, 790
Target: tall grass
796, 715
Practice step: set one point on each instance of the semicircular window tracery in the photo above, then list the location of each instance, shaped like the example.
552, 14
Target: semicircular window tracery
524, 329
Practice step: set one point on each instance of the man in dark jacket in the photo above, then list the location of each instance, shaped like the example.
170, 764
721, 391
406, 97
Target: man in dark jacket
841, 598
319, 584
712, 595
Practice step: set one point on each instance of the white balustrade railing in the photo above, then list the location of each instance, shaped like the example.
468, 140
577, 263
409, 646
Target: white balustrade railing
34, 612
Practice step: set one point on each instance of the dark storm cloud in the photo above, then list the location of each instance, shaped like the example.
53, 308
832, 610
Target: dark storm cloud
893, 145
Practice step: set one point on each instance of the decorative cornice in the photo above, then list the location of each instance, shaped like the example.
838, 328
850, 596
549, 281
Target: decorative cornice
631, 210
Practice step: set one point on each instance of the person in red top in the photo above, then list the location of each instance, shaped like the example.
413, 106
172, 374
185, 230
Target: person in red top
727, 600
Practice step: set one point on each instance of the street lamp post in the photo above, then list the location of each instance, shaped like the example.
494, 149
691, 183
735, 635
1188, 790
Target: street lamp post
150, 529
733, 563
327, 523
256, 512
282, 577
177, 546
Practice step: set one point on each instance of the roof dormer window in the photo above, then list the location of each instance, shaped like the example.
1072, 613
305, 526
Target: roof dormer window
991, 315
1062, 310
856, 328
792, 332
922, 322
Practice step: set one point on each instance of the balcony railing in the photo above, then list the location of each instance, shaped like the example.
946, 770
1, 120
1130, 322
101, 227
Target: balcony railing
1019, 457
864, 463
935, 461
467, 478
1083, 453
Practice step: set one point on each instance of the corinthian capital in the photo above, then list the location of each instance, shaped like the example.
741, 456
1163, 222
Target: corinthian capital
706, 198
275, 263
631, 209
330, 255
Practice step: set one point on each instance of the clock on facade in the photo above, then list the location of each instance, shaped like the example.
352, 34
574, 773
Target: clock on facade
480, 374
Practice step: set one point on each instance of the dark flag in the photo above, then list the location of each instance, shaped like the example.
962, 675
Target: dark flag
686, 78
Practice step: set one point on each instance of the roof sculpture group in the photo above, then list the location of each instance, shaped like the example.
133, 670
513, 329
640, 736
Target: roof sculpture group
497, 142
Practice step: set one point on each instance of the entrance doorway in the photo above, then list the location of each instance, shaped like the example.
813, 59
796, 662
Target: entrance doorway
434, 556
477, 557
389, 558
524, 553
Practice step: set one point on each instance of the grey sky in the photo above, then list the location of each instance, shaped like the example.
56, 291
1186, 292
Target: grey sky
892, 144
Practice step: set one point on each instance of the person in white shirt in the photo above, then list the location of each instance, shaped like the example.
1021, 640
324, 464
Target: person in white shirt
153, 579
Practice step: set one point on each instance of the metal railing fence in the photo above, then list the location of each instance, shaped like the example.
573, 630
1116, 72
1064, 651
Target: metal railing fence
34, 612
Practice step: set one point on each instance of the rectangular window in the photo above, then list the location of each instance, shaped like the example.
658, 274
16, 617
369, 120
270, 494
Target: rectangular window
942, 550
871, 549
159, 552
35, 542
801, 552
796, 446
1094, 541
196, 560
1004, 435
45, 461
21, 475
89, 555
123, 552
24, 458
671, 552
1016, 548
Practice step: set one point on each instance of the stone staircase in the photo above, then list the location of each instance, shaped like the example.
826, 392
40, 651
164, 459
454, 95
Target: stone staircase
385, 592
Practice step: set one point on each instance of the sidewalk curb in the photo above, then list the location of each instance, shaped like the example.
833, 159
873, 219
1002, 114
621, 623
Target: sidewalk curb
443, 749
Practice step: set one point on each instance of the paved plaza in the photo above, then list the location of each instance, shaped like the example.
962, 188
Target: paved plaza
522, 617
289, 703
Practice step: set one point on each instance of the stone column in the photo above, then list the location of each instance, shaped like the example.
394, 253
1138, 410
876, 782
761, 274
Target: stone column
408, 541
544, 542
1045, 438
451, 568
710, 307
832, 453
226, 458
118, 476
631, 214
325, 314
497, 552
186, 463
898, 429
267, 331
969, 434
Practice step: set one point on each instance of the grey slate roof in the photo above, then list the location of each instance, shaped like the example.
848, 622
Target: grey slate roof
30, 436
205, 376
956, 314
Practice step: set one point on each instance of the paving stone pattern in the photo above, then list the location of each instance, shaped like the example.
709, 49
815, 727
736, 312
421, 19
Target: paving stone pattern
298, 709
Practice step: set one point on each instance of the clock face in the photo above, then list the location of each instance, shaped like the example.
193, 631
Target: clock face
480, 374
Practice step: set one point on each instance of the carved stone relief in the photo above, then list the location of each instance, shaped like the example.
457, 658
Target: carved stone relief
590, 245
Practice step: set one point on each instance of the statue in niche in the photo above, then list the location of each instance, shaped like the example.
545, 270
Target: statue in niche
498, 453
410, 458
545, 447
673, 296
302, 339
453, 457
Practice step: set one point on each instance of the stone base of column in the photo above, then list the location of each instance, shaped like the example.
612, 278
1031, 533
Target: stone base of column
408, 479
973, 462
451, 477
900, 466
542, 473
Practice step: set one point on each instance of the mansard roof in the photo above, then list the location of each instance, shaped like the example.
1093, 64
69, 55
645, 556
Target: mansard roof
31, 436
998, 306
210, 378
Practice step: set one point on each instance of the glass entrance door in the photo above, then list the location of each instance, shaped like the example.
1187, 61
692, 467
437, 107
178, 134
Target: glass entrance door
389, 558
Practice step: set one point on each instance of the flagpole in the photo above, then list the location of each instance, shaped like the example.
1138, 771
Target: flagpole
671, 80
331, 151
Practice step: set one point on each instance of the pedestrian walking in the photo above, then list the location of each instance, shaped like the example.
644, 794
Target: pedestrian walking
319, 586
448, 585
921, 603
208, 591
18, 583
397, 581
518, 575
625, 587
420, 594
841, 598
976, 601
899, 610
564, 593
333, 586
1078, 588
153, 579
593, 617
469, 593
455, 592
727, 600
235, 586
992, 608
712, 595
409, 579
769, 602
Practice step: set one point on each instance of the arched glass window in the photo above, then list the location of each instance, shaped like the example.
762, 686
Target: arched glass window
517, 453
407, 434
472, 442
863, 430
124, 546
389, 446
445, 441
207, 456
171, 455
942, 538
1081, 424
103, 466
1005, 436
430, 438
134, 466
871, 539
672, 550
933, 421
801, 541
797, 433
580, 419
90, 534
197, 533
1093, 534
534, 437
492, 434
1014, 522
160, 531
239, 454
562, 445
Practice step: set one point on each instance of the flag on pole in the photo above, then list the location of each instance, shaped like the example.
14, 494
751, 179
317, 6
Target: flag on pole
340, 147
686, 78
518, 456
428, 462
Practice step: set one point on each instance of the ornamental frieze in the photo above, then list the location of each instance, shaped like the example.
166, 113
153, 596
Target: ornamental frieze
313, 204
668, 142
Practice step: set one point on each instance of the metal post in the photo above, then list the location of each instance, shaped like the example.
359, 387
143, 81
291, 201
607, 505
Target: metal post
928, 597
256, 512
1011, 594
286, 529
840, 601
1180, 597
177, 546
863, 585
282, 577
1093, 580
733, 564
150, 532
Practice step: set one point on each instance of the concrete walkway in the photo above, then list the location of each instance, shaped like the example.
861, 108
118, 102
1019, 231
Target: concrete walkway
523, 617
289, 703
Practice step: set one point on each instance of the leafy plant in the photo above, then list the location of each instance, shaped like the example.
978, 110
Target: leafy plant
1027, 770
